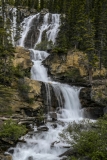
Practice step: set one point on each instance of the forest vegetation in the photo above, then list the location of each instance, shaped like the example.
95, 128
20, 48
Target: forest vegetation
84, 28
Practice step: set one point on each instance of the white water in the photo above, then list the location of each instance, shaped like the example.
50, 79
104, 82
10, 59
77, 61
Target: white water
13, 26
38, 146
26, 24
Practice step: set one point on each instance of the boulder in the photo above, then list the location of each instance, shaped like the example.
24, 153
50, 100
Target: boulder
32, 10
53, 115
69, 152
43, 128
54, 125
92, 101
2, 157
105, 110
44, 11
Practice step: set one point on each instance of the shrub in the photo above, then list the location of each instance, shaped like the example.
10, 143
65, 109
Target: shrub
11, 130
45, 45
24, 90
87, 138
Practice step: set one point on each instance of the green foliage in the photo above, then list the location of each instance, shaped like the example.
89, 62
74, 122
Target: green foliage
19, 73
11, 130
59, 50
45, 45
40, 115
24, 90
73, 73
88, 138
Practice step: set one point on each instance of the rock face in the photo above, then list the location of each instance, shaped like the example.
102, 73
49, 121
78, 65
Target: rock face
21, 100
93, 104
70, 67
22, 58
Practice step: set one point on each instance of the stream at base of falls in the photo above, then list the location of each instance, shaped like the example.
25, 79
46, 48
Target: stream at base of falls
39, 146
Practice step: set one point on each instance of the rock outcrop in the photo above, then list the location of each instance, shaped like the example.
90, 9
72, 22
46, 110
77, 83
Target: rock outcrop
70, 67
22, 58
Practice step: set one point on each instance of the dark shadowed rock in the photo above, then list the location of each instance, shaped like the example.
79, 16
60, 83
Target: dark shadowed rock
53, 115
69, 152
105, 110
2, 157
43, 128
54, 125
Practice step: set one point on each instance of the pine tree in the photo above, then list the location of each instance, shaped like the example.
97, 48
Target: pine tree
6, 50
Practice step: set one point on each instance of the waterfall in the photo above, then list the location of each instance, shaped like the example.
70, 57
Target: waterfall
13, 25
39, 145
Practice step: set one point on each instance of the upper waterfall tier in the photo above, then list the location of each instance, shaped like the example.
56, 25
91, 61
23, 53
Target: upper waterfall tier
37, 27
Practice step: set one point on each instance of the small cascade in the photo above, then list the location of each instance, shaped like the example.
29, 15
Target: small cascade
38, 71
43, 27
26, 24
13, 25
71, 107
46, 145
54, 28
49, 25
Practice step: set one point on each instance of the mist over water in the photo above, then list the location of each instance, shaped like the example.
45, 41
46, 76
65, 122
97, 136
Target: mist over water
39, 146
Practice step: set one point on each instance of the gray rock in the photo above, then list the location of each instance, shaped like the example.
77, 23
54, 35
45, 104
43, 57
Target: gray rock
105, 110
26, 14
44, 11
68, 153
54, 125
30, 158
43, 128
53, 115
32, 10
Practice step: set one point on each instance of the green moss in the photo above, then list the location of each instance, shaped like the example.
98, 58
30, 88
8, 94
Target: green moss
73, 75
45, 45
24, 89
11, 130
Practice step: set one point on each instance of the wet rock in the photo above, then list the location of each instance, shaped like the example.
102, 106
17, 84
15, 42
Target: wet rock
92, 108
26, 14
7, 141
52, 144
69, 152
30, 158
44, 11
32, 10
99, 92
11, 151
54, 125
64, 158
93, 112
61, 123
105, 110
2, 157
53, 115
43, 128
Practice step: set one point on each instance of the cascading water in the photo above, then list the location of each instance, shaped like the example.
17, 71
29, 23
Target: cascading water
46, 145
13, 26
